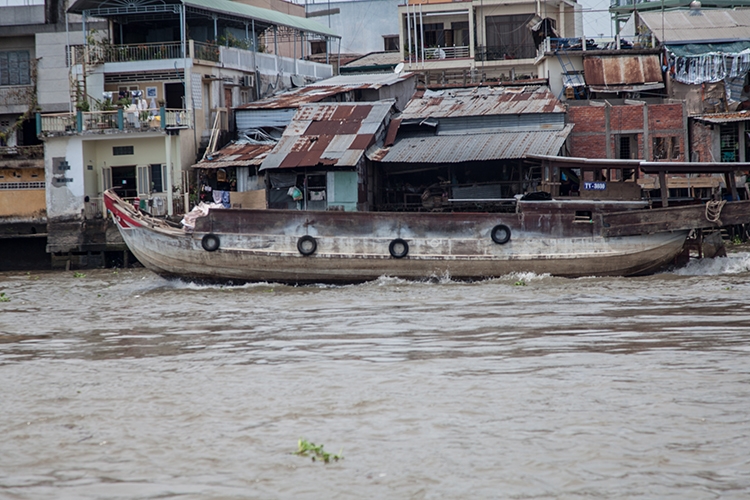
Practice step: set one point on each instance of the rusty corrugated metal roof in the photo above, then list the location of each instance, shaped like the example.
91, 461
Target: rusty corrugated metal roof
679, 26
608, 71
324, 89
236, 155
478, 147
480, 101
329, 134
737, 116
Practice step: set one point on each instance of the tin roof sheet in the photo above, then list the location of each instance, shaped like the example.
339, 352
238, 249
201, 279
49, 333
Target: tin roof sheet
479, 101
333, 134
376, 59
680, 26
737, 116
324, 89
479, 147
238, 154
607, 71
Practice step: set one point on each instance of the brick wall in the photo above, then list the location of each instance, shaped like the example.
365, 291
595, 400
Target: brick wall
588, 138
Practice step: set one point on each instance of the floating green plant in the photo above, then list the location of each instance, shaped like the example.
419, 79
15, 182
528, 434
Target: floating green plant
79, 275
520, 283
4, 298
315, 451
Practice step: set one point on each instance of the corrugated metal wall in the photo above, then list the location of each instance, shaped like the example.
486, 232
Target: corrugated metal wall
494, 123
257, 118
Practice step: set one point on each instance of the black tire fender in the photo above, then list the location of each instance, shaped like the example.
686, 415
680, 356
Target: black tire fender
210, 242
398, 248
500, 234
307, 245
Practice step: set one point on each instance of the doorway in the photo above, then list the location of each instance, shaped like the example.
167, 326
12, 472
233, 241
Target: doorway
174, 94
123, 181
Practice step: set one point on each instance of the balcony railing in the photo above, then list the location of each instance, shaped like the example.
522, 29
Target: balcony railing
205, 51
120, 119
503, 52
454, 52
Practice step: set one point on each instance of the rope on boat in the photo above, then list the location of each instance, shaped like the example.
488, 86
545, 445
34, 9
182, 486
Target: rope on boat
713, 210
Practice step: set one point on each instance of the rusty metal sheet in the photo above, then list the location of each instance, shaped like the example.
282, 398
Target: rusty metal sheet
329, 134
483, 101
239, 154
622, 70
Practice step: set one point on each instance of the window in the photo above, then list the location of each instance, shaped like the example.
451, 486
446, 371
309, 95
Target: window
390, 43
666, 148
627, 147
730, 144
122, 150
15, 68
157, 184
434, 36
509, 38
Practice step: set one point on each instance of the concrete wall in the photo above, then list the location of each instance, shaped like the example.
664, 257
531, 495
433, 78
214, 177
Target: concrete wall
21, 15
361, 24
21, 203
64, 201
53, 82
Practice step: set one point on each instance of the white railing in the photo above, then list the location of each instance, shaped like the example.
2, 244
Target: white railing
455, 52
247, 60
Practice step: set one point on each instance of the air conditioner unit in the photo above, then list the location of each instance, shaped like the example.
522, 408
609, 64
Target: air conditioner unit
246, 81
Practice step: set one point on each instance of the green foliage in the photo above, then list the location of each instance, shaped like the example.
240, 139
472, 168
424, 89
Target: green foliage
4, 298
230, 40
519, 283
307, 449
79, 275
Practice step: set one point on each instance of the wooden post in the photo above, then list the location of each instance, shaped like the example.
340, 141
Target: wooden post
664, 189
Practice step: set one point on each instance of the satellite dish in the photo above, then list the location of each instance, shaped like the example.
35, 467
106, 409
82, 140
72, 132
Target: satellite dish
298, 81
399, 68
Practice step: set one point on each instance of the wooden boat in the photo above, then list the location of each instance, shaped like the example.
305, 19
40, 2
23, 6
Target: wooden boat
559, 237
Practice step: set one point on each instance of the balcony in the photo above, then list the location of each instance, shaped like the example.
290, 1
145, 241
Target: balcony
228, 57
120, 120
455, 52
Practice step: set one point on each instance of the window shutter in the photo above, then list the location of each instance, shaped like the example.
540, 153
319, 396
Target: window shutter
106, 178
144, 180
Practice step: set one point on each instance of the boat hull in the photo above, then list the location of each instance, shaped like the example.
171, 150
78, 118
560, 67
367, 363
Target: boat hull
263, 246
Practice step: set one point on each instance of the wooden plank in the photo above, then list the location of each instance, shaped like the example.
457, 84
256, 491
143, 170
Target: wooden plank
672, 219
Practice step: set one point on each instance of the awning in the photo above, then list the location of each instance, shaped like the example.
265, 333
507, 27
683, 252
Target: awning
478, 147
737, 116
696, 49
627, 88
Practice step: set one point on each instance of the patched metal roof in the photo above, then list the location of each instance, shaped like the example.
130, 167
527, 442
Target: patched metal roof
329, 134
324, 89
608, 71
680, 26
482, 101
478, 147
238, 154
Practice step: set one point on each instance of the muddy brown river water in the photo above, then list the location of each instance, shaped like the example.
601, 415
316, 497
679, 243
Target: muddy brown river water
122, 385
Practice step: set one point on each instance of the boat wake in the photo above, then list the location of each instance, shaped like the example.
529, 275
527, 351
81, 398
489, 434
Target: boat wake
734, 263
